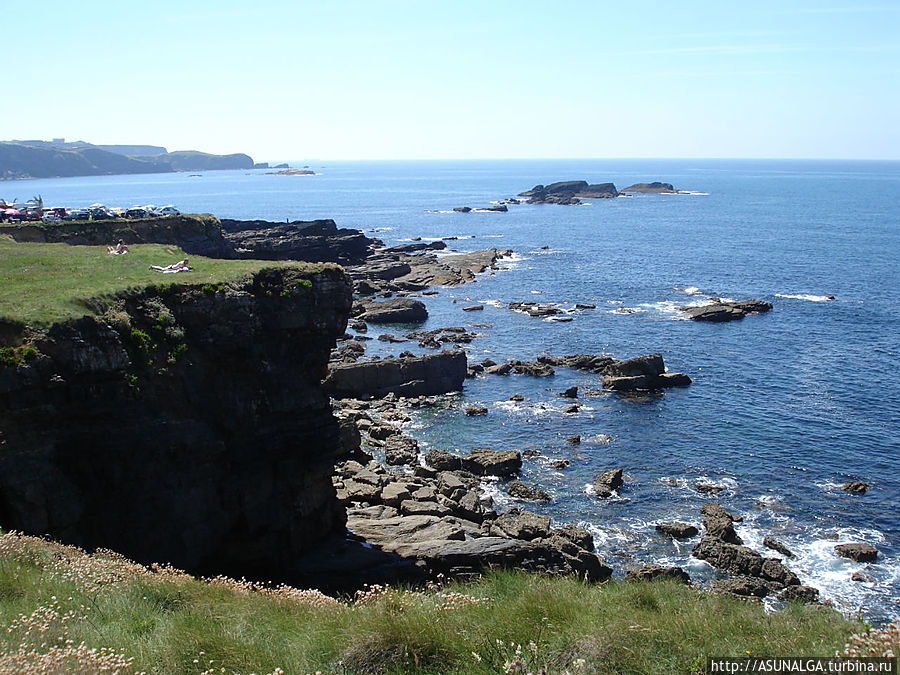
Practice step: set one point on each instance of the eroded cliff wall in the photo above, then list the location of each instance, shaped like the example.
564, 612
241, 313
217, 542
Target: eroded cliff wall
186, 424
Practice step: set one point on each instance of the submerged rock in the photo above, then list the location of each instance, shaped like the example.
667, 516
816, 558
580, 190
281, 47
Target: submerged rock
606, 482
857, 552
726, 311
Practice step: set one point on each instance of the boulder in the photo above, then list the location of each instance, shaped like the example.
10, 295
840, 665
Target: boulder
441, 460
487, 462
855, 487
519, 490
857, 552
476, 410
804, 594
726, 311
742, 586
721, 528
410, 376
744, 561
677, 530
708, 488
651, 572
776, 545
607, 481
401, 450
394, 310
519, 524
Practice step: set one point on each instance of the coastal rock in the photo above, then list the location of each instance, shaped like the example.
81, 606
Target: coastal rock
519, 490
394, 310
652, 572
487, 462
708, 488
606, 482
223, 461
476, 410
677, 530
856, 487
857, 552
312, 241
441, 460
742, 587
743, 561
533, 368
656, 188
804, 594
776, 545
519, 524
726, 311
411, 376
569, 192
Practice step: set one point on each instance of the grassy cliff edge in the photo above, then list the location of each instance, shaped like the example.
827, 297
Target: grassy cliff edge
61, 606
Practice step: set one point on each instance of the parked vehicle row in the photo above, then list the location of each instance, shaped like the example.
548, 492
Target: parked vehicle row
35, 212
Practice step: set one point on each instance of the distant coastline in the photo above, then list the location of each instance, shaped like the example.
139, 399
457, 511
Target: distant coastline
58, 158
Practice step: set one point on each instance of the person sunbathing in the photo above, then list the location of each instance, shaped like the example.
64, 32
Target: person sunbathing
118, 249
180, 266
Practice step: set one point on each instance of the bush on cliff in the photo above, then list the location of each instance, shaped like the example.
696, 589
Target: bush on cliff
67, 611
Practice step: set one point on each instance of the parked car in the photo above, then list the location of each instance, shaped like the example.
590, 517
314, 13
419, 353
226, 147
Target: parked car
166, 211
77, 214
136, 212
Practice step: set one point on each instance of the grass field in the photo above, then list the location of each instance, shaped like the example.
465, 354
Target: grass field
67, 611
44, 283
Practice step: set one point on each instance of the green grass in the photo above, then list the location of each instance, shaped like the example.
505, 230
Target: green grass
44, 283
165, 620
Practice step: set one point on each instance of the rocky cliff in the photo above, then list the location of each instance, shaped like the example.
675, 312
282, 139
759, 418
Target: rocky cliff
184, 424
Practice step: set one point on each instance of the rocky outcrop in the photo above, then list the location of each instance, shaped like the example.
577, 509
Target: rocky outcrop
569, 192
654, 188
443, 525
677, 530
721, 547
857, 552
394, 310
719, 311
639, 373
312, 241
607, 482
392, 271
856, 487
652, 572
182, 425
411, 376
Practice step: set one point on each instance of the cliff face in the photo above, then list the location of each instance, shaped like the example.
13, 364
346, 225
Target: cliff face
184, 425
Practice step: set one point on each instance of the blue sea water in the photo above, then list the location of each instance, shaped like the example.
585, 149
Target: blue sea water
784, 407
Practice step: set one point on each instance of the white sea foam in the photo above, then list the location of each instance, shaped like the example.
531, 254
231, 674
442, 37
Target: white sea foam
689, 290
805, 296
627, 310
600, 439
491, 303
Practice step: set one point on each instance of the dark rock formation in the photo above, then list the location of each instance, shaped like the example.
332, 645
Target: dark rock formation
857, 552
394, 310
607, 481
487, 462
856, 487
726, 311
476, 410
744, 561
805, 594
677, 530
519, 490
209, 444
652, 572
569, 192
313, 241
776, 545
412, 376
656, 188
639, 373
742, 587
441, 525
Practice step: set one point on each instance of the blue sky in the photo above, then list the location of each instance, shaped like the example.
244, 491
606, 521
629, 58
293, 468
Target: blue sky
406, 79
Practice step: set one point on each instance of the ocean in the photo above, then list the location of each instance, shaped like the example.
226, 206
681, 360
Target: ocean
784, 407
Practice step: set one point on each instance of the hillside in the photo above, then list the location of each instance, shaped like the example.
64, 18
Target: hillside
42, 159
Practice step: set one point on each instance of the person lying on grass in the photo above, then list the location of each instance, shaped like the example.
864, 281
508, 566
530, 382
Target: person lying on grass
180, 266
118, 249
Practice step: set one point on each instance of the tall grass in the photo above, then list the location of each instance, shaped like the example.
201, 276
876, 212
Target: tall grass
160, 620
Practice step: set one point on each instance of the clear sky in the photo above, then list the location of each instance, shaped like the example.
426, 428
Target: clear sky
405, 79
